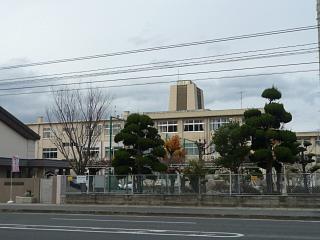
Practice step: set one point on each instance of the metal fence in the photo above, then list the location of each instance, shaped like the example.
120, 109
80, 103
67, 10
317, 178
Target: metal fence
210, 184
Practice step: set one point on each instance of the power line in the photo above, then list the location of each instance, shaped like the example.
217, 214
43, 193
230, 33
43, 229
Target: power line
158, 76
190, 64
187, 44
165, 82
162, 62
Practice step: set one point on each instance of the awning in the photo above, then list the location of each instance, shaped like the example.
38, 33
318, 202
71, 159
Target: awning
42, 163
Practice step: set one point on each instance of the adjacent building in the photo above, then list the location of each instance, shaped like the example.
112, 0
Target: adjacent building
17, 139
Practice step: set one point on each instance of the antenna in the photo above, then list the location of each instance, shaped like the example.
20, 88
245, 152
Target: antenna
115, 110
241, 97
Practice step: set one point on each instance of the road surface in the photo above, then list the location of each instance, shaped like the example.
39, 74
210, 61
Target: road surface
30, 226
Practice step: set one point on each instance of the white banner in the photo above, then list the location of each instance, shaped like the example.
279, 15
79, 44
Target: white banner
15, 164
81, 179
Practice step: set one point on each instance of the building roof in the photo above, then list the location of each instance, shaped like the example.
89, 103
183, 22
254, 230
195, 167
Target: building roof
308, 134
16, 125
195, 113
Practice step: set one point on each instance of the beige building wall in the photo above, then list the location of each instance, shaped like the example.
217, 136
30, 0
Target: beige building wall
314, 138
207, 119
12, 143
189, 93
173, 98
180, 117
103, 141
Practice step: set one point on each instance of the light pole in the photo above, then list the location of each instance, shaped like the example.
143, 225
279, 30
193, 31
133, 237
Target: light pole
110, 149
110, 133
110, 140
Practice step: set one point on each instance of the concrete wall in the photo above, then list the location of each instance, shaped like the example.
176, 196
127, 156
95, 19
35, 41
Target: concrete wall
12, 143
20, 186
195, 200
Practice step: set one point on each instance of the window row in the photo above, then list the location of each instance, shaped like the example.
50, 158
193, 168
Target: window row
192, 125
190, 148
116, 128
48, 153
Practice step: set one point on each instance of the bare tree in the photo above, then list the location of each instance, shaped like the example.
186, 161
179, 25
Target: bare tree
74, 119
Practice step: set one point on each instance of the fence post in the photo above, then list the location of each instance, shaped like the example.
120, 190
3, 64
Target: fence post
179, 183
88, 183
311, 182
230, 183
239, 187
284, 182
167, 188
133, 184
126, 184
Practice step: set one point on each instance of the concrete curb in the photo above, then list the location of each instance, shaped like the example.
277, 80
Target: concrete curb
252, 213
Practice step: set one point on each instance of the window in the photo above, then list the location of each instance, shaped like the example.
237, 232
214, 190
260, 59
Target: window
96, 132
47, 132
217, 122
301, 141
68, 144
49, 153
191, 148
193, 126
68, 129
168, 126
107, 151
116, 128
94, 152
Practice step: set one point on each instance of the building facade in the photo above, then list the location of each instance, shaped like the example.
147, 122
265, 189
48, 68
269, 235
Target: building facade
45, 147
186, 118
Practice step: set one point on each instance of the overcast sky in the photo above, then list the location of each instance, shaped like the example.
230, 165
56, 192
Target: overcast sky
40, 30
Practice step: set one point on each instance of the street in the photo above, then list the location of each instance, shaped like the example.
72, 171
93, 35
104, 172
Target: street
75, 226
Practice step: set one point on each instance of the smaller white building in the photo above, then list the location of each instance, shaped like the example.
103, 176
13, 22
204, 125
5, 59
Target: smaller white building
17, 139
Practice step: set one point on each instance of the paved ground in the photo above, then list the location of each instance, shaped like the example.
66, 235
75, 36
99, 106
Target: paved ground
278, 213
28, 226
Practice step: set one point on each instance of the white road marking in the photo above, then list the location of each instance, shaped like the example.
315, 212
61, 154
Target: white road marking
116, 220
159, 232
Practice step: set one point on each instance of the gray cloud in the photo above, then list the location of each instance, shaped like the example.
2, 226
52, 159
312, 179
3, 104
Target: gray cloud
67, 33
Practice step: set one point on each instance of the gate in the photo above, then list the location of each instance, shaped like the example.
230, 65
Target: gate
46, 188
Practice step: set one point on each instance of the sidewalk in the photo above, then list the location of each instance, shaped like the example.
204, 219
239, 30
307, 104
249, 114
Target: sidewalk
261, 213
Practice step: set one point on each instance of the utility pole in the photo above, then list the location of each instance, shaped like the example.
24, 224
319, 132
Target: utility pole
110, 139
318, 24
110, 135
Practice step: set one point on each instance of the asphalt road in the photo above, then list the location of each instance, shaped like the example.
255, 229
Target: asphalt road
27, 226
